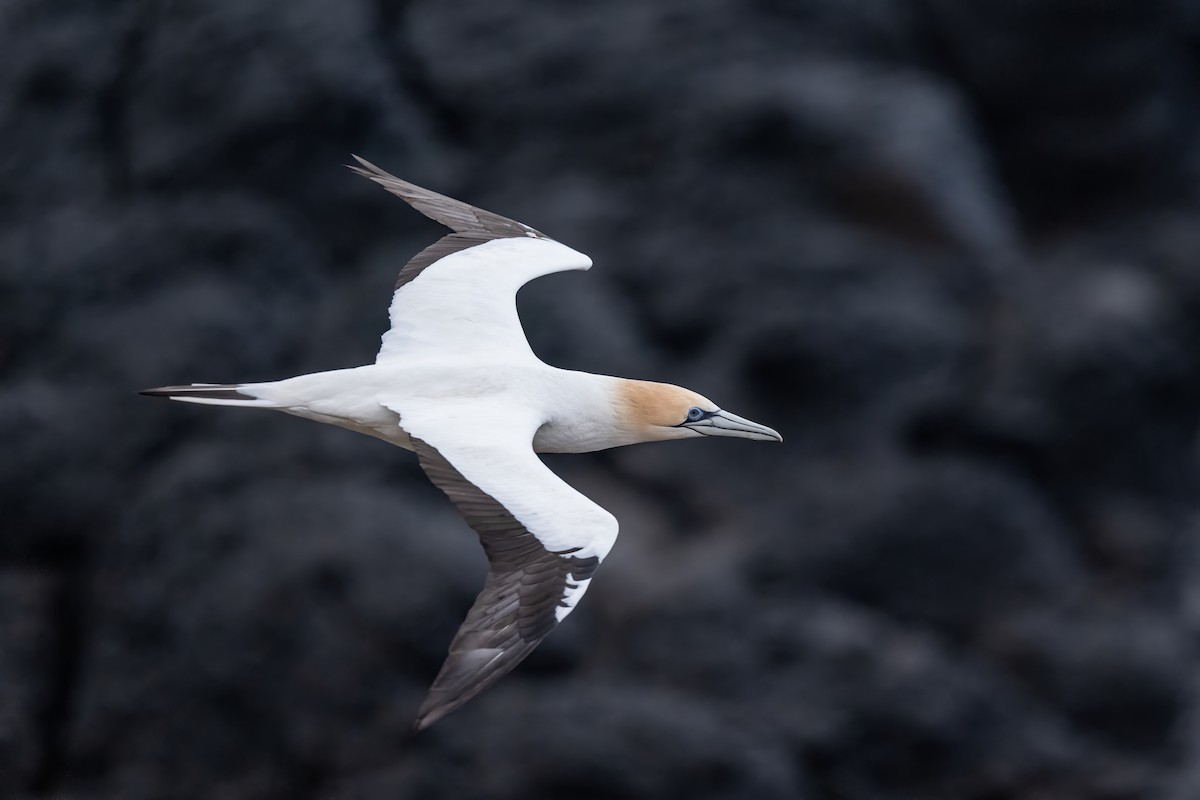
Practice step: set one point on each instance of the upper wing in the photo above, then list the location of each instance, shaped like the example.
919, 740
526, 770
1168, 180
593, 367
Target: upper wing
542, 538
459, 294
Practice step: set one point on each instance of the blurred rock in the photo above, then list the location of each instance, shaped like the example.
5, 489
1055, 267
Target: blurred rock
568, 741
1119, 676
948, 250
60, 65
32, 633
282, 574
872, 711
928, 533
1078, 99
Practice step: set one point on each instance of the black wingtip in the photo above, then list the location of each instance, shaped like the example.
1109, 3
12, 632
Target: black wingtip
425, 719
400, 188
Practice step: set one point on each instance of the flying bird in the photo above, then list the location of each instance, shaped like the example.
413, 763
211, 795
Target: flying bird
456, 382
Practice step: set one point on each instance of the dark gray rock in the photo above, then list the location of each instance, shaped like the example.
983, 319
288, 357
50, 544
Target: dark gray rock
93, 284
1077, 99
871, 710
33, 669
947, 249
930, 531
1120, 676
284, 574
61, 68
591, 742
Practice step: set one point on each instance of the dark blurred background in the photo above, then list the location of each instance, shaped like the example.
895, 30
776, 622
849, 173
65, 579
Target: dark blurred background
948, 249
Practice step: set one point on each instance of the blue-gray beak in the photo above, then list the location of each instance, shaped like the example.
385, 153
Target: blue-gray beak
722, 423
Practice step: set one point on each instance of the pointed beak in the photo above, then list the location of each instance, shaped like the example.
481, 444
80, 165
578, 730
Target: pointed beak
722, 423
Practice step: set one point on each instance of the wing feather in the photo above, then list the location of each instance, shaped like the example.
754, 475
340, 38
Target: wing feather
454, 214
458, 295
526, 591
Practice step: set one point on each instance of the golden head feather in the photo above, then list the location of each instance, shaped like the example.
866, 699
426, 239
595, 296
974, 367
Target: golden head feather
653, 411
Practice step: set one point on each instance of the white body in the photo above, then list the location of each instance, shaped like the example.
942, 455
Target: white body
574, 410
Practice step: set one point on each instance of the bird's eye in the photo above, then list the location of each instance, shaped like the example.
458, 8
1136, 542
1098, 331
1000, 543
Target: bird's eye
695, 414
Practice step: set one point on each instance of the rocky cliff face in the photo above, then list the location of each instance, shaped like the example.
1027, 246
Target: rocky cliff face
948, 249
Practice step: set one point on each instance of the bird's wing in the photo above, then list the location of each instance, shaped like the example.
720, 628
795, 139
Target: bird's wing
543, 539
459, 294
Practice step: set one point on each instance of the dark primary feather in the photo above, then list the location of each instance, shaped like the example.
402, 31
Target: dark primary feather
515, 610
471, 225
454, 214
438, 250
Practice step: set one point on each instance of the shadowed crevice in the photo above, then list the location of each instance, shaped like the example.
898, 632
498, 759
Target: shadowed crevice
69, 620
112, 105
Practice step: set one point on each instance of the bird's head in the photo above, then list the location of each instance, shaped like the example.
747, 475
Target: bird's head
658, 411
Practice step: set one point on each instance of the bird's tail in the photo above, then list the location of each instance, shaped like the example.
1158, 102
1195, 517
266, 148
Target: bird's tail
213, 394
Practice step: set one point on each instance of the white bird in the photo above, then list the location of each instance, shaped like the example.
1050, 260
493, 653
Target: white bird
456, 382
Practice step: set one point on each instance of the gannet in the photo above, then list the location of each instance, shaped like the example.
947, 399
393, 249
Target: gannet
455, 381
